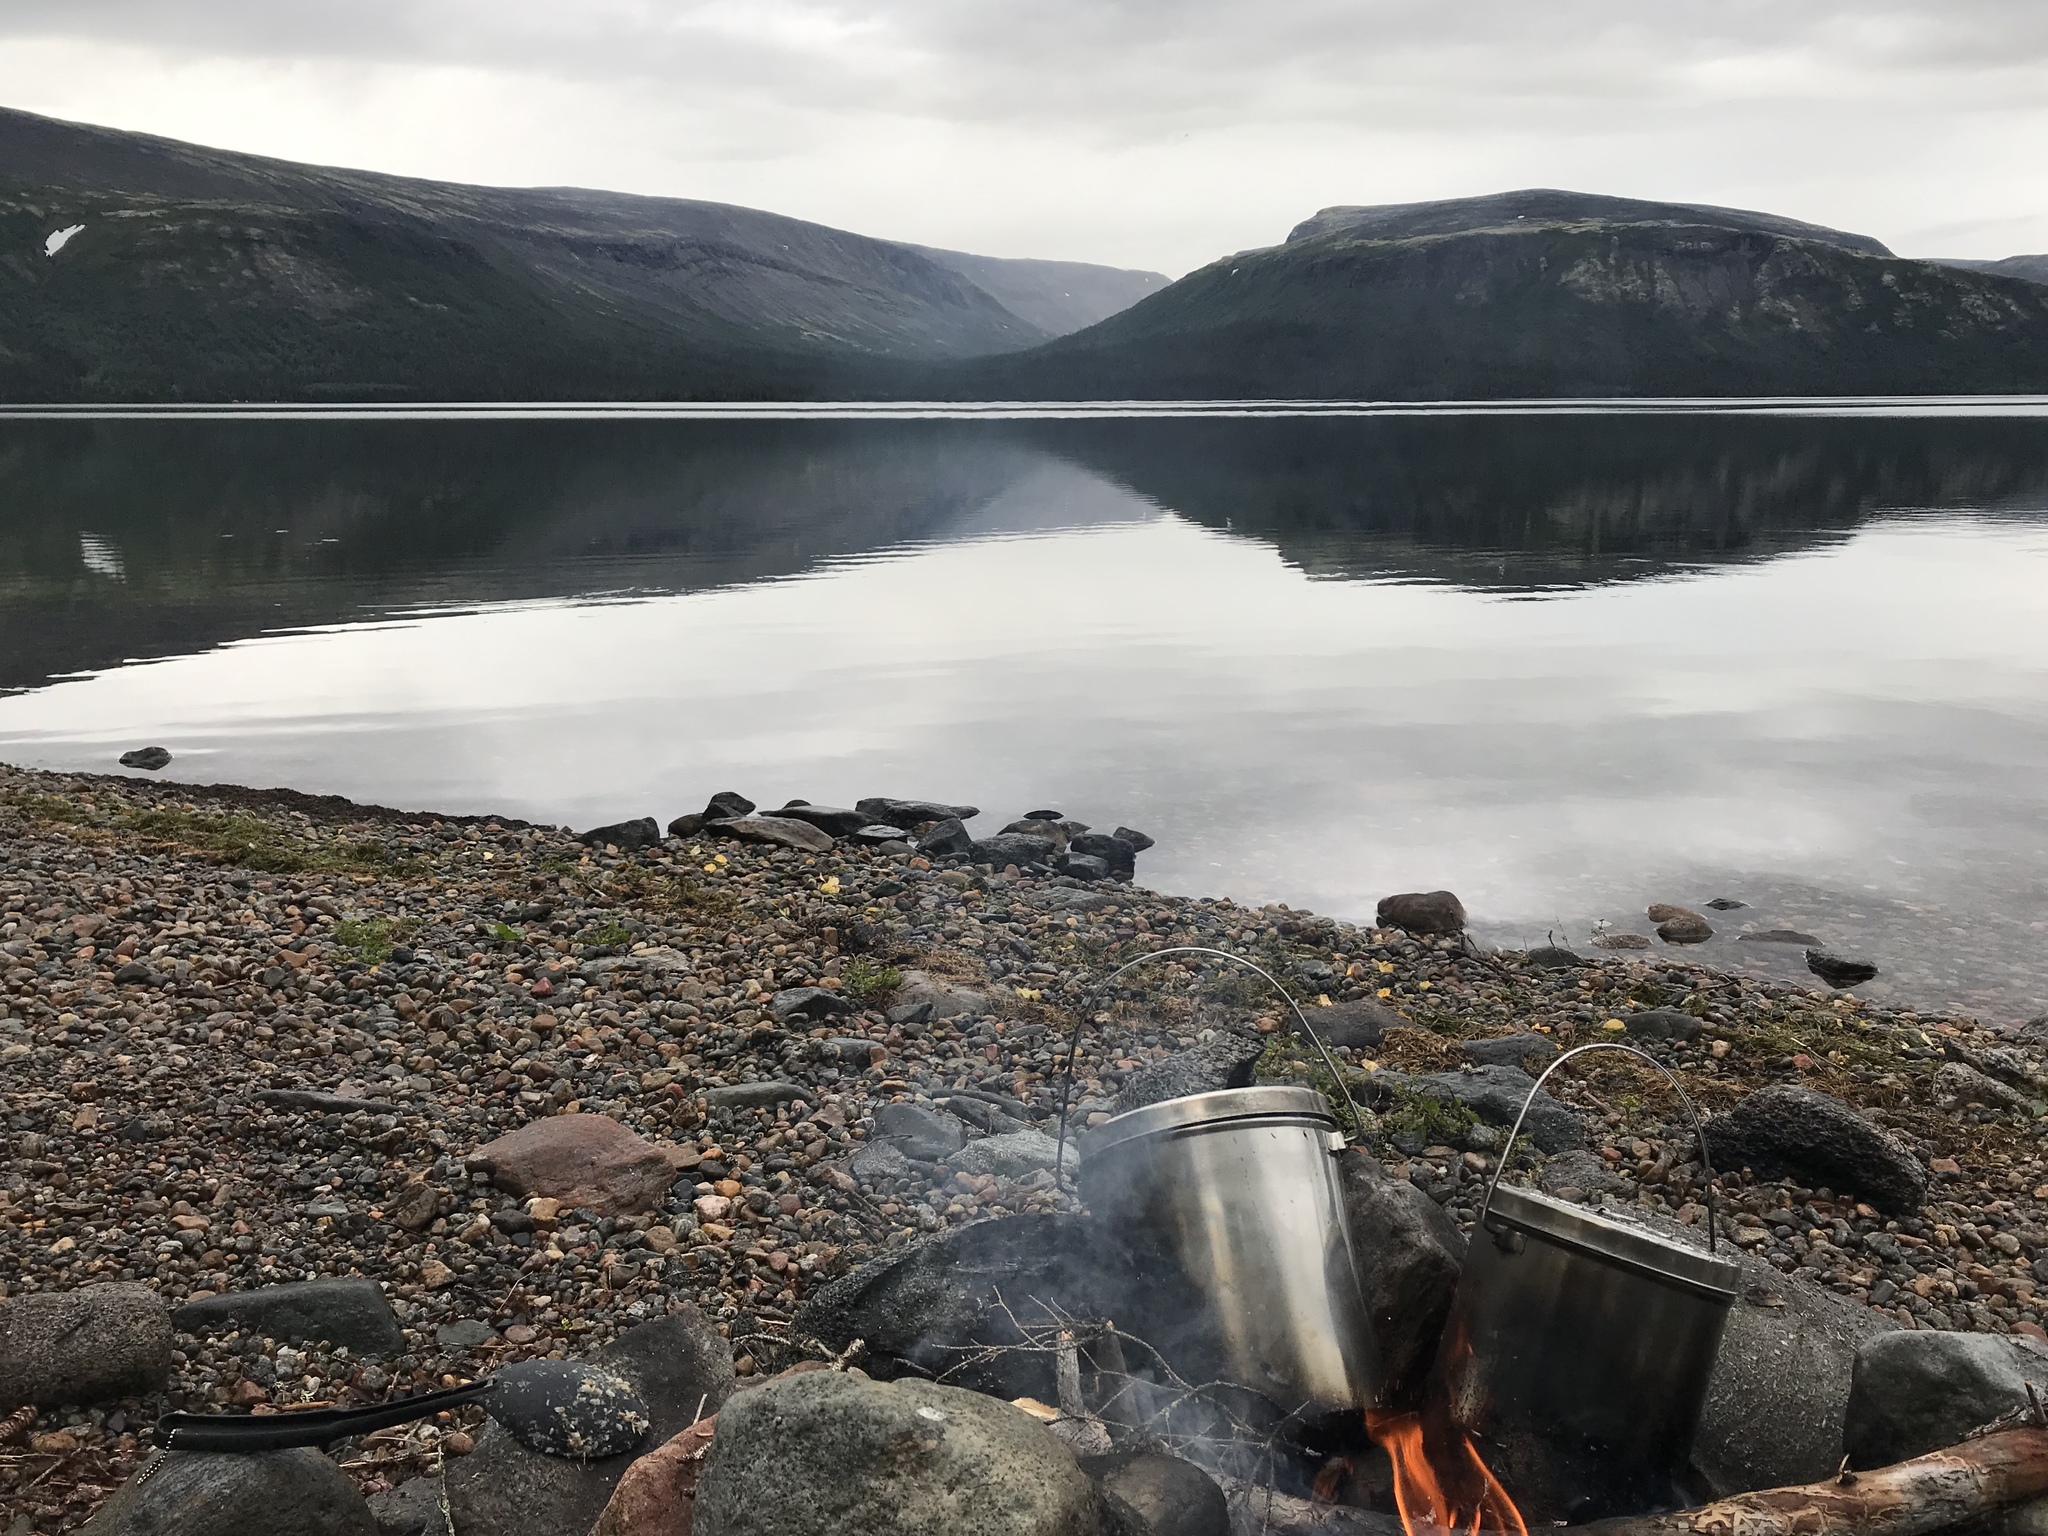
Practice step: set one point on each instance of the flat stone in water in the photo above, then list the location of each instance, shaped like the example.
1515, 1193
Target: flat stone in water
560, 1408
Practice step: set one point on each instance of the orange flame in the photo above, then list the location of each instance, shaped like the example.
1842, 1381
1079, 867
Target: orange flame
1476, 1501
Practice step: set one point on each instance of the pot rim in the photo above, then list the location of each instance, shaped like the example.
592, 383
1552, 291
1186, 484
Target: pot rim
1616, 1242
1208, 1111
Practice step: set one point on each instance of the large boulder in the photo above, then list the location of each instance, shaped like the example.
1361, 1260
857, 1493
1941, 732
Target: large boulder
827, 1453
1225, 1060
1409, 1253
1788, 1132
674, 1364
416, 1507
1018, 848
928, 1135
349, 1311
1160, 1495
91, 1345
912, 814
626, 836
585, 1161
207, 1493
947, 840
1114, 851
1524, 1049
836, 819
1916, 1391
776, 831
1422, 912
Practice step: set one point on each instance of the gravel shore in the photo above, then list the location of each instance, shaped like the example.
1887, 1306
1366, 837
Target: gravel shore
254, 1036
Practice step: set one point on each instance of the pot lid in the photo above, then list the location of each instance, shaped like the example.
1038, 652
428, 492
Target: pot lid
1219, 1107
1628, 1243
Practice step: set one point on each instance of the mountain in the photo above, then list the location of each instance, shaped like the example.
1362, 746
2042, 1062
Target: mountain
2033, 268
1546, 294
203, 274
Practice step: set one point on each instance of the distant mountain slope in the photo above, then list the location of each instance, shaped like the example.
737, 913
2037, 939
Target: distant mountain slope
1056, 296
1548, 306
2033, 268
204, 274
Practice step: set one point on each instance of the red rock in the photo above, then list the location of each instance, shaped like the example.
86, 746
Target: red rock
2033, 1331
654, 1497
1945, 1165
583, 1161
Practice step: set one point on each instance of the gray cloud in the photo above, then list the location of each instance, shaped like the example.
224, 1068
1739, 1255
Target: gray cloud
1131, 130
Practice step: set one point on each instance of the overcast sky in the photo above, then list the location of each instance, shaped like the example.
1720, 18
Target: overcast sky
1137, 132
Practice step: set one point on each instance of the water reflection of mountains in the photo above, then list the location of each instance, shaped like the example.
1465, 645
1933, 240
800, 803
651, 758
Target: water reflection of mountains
125, 540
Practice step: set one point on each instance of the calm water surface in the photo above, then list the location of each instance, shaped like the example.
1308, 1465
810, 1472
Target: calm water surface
1565, 663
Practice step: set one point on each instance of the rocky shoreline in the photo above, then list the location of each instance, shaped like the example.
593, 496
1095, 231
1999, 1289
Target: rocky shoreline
524, 1093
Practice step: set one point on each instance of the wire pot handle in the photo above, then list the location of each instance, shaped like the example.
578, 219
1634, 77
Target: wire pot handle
1692, 1114
1081, 1020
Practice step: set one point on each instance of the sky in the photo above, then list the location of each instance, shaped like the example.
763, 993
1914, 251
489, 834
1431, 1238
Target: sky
1147, 133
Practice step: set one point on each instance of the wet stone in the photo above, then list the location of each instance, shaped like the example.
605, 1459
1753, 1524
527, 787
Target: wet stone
561, 1408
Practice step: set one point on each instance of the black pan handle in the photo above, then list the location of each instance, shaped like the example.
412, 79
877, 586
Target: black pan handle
247, 1432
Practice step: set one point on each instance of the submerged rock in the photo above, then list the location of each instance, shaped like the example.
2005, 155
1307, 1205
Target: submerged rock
149, 759
1839, 970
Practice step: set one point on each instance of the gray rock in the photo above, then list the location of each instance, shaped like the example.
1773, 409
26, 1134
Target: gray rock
416, 1507
318, 1102
1548, 957
919, 998
1409, 1252
924, 1134
1685, 927
1018, 848
1839, 970
207, 1493
1779, 936
827, 1453
912, 814
1916, 1391
834, 819
1662, 1024
1009, 1156
1223, 1061
814, 1003
626, 836
1422, 912
727, 805
503, 1489
1120, 856
1496, 1095
91, 1345
349, 1311
1047, 827
1081, 866
949, 839
1137, 840
776, 831
465, 1333
848, 1050
1356, 1025
1519, 1050
1165, 1495
150, 759
1786, 1131
877, 1162
564, 1408
686, 826
1578, 1173
752, 1095
1726, 904
1964, 1083
878, 833
935, 1306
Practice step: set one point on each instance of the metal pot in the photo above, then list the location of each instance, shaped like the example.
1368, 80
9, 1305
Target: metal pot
1238, 1192
1579, 1347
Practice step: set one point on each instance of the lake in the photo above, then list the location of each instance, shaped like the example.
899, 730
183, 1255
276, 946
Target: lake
1564, 660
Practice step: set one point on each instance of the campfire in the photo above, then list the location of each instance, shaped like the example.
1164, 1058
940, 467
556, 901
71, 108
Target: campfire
1463, 1496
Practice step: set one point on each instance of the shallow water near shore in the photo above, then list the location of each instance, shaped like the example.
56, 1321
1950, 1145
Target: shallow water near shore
1565, 664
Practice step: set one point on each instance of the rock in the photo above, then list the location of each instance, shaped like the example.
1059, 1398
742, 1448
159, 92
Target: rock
351, 1312
1423, 912
814, 1003
1120, 856
1047, 828
657, 1494
563, 1408
416, 1507
753, 1095
1225, 1060
1168, 1496
934, 1306
319, 1103
504, 1489
1495, 1094
854, 1051
877, 1162
91, 1345
1577, 1174
581, 1160
727, 805
1621, 941
147, 758
878, 833
1779, 936
826, 1452
779, 831
1786, 1131
1917, 1391
1839, 970
1012, 1155
1007, 848
1726, 904
464, 1333
1356, 1025
1680, 925
1548, 957
626, 836
1662, 1024
928, 1136
834, 819
909, 815
919, 998
1409, 1252
207, 1493
1520, 1050
1137, 840
1964, 1083
1081, 866
686, 826
949, 839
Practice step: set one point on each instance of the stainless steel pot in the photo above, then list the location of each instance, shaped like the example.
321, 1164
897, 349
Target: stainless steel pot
1580, 1344
1238, 1192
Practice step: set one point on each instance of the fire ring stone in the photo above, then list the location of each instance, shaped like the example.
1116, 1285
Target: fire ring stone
560, 1408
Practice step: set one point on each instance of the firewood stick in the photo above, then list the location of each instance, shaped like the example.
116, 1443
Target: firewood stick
1965, 1482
